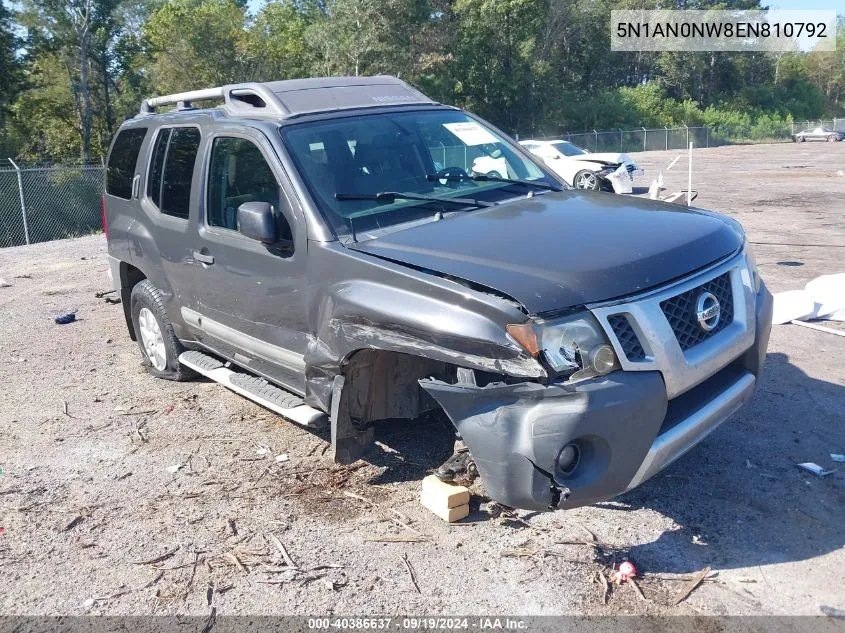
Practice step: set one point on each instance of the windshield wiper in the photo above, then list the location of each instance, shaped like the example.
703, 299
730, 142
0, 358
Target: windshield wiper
486, 178
391, 196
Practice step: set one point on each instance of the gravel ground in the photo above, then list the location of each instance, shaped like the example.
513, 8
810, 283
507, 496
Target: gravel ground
123, 494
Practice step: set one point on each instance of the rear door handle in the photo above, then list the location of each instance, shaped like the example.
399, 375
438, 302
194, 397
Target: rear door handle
203, 258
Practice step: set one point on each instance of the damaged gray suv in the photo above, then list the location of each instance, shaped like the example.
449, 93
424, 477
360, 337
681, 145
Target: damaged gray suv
323, 247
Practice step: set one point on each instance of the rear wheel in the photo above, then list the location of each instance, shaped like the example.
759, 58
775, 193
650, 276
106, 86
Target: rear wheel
832, 138
586, 179
160, 348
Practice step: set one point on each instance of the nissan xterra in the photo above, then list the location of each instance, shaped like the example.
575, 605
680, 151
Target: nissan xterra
324, 248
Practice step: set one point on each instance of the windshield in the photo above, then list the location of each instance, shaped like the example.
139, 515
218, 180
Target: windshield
401, 152
568, 149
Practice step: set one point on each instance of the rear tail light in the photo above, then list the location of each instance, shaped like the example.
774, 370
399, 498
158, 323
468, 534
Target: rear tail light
103, 212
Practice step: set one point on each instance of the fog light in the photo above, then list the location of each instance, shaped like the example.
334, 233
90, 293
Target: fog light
603, 359
567, 460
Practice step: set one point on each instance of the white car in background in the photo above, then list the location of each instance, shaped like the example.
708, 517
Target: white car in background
584, 170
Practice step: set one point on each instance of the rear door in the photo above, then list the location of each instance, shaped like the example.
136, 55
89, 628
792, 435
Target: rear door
165, 203
122, 180
249, 298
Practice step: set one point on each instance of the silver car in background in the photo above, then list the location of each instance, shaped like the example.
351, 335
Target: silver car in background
818, 134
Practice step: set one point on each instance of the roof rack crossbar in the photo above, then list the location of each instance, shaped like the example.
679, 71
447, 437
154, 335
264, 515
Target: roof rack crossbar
232, 96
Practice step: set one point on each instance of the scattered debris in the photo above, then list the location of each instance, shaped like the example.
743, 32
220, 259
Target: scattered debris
4, 283
625, 572
283, 457
237, 561
834, 456
262, 451
819, 328
832, 612
605, 586
67, 317
410, 538
100, 295
448, 501
169, 408
352, 495
175, 468
157, 559
814, 468
411, 573
687, 589
280, 546
2, 531
636, 586
72, 523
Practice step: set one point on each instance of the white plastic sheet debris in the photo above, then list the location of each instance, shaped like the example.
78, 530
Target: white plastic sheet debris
814, 468
821, 298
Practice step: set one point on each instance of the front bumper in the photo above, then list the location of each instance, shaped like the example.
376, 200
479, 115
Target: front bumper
626, 425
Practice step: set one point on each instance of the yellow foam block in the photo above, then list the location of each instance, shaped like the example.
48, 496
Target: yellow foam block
434, 503
444, 495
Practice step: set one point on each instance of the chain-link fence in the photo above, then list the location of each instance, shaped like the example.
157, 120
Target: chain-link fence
666, 138
39, 204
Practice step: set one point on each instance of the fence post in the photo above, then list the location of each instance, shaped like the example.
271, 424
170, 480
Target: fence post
597, 140
23, 204
621, 141
706, 136
667, 137
645, 137
687, 126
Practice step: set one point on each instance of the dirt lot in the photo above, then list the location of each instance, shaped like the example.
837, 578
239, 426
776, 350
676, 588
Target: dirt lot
123, 494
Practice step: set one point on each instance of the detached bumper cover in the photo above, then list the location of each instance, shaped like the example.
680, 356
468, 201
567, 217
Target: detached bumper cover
625, 426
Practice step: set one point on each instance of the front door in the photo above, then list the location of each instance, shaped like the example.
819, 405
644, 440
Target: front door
249, 301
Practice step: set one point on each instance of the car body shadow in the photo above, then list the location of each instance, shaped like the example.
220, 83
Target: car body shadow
738, 498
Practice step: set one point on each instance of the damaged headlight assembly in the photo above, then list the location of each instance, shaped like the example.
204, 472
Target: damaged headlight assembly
574, 347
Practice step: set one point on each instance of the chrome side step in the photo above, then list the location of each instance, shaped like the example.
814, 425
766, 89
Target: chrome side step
256, 389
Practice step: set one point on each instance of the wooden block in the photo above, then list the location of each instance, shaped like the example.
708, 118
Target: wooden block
435, 504
444, 495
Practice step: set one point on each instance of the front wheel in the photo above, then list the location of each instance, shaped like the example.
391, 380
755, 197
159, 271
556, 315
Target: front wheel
160, 348
832, 138
586, 179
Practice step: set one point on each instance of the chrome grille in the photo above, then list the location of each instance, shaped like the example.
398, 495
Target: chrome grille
680, 311
628, 339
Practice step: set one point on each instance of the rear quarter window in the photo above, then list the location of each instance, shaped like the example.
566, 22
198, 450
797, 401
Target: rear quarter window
121, 166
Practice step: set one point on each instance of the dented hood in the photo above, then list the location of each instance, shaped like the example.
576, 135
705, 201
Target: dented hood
607, 157
565, 249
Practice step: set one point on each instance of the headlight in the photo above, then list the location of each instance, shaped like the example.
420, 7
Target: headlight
751, 262
574, 346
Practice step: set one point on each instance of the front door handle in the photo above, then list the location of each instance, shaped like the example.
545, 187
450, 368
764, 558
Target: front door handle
203, 258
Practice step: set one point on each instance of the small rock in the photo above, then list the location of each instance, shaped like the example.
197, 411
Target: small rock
175, 468
4, 283
283, 457
88, 603
262, 451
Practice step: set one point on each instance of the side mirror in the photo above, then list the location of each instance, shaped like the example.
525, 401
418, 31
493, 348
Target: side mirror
256, 220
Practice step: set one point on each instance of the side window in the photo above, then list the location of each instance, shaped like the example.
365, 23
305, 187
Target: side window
172, 170
157, 166
121, 167
238, 174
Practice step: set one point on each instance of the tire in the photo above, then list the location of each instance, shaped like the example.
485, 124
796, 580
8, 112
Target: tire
803, 138
159, 346
795, 139
832, 138
585, 179
493, 174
